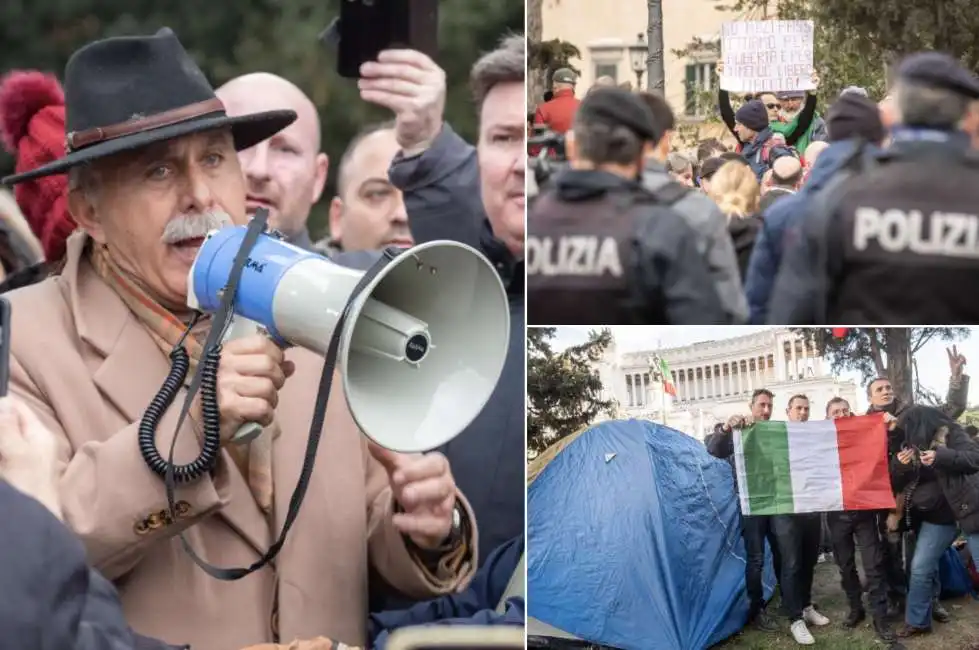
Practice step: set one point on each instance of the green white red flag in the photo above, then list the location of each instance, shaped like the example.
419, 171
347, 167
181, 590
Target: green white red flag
821, 466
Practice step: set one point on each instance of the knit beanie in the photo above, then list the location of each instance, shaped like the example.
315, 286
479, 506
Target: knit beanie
854, 116
32, 128
753, 115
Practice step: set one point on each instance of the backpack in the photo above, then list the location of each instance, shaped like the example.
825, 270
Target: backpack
954, 576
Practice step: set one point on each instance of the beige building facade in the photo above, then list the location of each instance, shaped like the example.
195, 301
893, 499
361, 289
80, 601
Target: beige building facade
603, 31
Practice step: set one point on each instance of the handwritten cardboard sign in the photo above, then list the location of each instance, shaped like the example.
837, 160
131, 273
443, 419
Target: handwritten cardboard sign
767, 55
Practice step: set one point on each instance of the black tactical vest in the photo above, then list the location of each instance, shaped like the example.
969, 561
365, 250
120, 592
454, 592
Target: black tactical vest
908, 244
582, 259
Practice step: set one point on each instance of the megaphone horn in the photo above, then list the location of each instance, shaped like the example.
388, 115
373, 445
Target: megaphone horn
423, 344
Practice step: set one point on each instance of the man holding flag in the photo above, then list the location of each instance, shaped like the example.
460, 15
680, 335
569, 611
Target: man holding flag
798, 467
861, 526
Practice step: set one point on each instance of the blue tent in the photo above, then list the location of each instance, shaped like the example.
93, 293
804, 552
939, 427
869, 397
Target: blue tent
635, 542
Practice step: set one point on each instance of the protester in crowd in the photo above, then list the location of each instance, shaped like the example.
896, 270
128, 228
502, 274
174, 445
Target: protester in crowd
700, 213
791, 116
557, 113
928, 172
858, 529
855, 129
680, 168
604, 82
286, 173
114, 314
937, 473
473, 195
638, 233
811, 154
755, 529
785, 180
368, 212
738, 196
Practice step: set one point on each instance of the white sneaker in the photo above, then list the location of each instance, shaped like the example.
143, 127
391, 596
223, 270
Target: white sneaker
801, 634
811, 616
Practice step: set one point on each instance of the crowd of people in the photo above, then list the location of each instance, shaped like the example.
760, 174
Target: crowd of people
934, 466
859, 214
120, 173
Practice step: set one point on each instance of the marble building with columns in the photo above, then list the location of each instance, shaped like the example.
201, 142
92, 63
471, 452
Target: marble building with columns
715, 379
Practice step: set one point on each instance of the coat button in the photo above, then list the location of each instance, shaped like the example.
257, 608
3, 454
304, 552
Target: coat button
964, 507
141, 527
182, 508
154, 521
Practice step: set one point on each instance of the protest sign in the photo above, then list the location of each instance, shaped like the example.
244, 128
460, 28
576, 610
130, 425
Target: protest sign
767, 55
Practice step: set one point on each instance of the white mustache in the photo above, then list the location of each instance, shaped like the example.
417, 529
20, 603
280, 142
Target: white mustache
192, 226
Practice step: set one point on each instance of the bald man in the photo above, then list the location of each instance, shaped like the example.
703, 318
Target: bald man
787, 173
813, 151
287, 172
368, 212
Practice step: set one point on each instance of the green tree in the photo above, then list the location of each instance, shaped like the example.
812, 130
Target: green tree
883, 352
564, 391
232, 38
543, 59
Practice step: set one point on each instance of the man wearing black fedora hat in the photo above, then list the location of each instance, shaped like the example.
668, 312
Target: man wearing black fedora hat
151, 156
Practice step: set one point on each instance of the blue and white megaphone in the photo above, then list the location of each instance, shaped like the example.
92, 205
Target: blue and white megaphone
422, 347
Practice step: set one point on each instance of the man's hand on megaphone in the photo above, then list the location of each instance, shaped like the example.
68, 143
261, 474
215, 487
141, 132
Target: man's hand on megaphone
251, 372
411, 85
423, 485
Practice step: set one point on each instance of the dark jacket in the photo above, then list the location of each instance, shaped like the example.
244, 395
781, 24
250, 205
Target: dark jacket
948, 491
661, 276
442, 197
50, 599
714, 243
898, 263
781, 229
744, 233
477, 605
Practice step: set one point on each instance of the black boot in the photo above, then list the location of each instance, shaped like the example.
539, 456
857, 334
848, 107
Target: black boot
884, 631
939, 613
854, 618
895, 608
763, 621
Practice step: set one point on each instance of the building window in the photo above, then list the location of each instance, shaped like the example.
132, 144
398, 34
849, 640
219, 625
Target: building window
607, 70
701, 86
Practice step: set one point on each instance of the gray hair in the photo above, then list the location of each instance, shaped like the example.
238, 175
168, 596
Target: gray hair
506, 64
84, 178
677, 162
602, 143
928, 106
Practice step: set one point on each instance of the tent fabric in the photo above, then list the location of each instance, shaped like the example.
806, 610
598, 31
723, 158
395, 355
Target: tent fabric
642, 551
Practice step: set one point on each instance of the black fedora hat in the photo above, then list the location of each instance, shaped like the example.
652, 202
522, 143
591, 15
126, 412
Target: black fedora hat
128, 92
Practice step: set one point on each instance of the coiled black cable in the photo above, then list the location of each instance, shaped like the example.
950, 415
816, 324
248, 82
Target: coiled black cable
211, 446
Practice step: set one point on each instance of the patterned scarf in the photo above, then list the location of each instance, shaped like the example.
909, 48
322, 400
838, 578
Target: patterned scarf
255, 459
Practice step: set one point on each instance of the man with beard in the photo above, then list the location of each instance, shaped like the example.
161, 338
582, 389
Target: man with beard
882, 399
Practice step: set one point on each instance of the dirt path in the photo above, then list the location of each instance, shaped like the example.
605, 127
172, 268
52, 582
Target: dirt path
962, 633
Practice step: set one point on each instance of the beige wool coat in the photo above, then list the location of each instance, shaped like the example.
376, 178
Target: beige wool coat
88, 368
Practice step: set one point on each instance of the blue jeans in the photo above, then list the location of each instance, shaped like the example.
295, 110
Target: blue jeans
932, 542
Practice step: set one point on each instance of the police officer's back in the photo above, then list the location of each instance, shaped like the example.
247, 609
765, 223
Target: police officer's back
603, 250
898, 242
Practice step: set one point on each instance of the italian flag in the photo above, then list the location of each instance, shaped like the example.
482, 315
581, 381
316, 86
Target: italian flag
824, 466
668, 384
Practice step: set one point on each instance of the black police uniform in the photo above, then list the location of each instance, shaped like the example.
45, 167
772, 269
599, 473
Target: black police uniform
601, 250
897, 244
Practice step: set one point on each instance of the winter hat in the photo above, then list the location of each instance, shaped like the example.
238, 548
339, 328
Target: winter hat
753, 115
854, 116
32, 128
790, 94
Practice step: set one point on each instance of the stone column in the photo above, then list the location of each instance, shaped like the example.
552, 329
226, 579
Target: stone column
763, 359
779, 359
795, 359
713, 377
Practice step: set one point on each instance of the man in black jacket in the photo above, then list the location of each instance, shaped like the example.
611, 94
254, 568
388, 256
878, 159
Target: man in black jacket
601, 249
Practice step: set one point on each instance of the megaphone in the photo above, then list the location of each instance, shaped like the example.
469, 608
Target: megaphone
423, 344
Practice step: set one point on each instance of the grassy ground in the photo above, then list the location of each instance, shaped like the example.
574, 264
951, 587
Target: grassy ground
962, 633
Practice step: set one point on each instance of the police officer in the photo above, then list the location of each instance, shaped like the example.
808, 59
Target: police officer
602, 250
898, 243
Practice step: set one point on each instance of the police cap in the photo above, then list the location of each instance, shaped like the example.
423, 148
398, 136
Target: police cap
939, 70
618, 107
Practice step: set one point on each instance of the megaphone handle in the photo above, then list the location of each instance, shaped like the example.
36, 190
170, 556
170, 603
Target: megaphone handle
239, 328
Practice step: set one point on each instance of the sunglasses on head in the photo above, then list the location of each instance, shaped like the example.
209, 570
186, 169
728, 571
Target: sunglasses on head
770, 106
